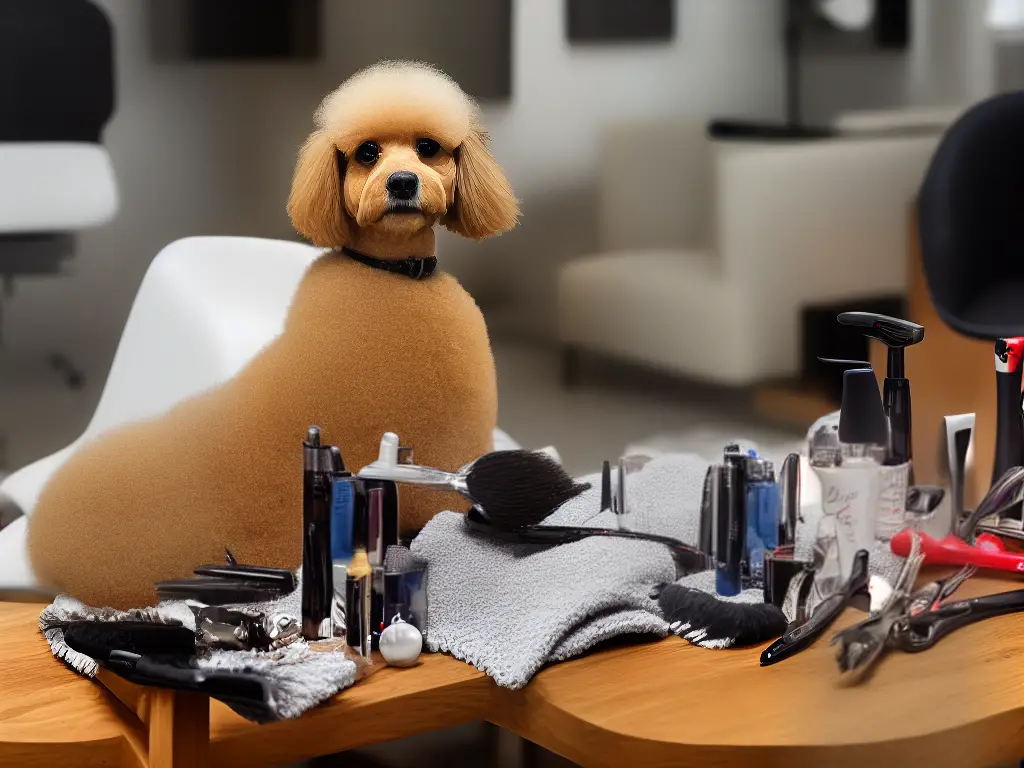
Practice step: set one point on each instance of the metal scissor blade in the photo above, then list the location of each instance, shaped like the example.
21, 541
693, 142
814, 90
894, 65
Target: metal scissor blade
861, 646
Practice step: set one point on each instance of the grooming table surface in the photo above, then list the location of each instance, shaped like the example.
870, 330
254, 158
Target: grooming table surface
664, 703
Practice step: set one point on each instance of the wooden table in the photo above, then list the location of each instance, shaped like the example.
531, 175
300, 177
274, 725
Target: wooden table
657, 704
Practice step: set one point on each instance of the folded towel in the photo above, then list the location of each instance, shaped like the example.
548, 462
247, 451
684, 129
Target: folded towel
297, 678
510, 609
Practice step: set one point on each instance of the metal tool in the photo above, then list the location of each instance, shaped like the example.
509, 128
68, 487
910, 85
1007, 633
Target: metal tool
932, 594
919, 633
861, 646
801, 636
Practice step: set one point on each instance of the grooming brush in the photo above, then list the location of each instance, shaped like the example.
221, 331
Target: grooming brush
687, 559
515, 489
704, 620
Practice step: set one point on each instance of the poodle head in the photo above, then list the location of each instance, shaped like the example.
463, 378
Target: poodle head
398, 147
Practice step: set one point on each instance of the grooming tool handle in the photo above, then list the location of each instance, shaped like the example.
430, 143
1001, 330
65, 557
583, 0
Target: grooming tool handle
688, 559
827, 612
1010, 422
927, 629
954, 551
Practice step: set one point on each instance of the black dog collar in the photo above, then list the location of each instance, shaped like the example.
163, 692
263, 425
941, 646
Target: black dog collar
412, 267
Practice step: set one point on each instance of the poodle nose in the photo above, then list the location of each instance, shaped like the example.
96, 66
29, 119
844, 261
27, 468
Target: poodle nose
403, 185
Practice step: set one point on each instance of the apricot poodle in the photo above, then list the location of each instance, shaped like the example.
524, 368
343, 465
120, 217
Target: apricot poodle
374, 341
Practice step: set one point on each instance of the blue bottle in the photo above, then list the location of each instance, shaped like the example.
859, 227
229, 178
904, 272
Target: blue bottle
342, 513
763, 510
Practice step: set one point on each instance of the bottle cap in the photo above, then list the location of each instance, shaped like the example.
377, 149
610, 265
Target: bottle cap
862, 417
758, 470
824, 447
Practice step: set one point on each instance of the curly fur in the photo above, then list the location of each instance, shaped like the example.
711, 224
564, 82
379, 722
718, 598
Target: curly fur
363, 352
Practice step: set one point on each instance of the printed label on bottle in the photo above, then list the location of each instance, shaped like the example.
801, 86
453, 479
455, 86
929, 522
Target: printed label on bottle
849, 496
342, 503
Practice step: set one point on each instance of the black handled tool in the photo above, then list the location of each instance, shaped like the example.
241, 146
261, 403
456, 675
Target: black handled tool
229, 584
921, 632
687, 559
800, 637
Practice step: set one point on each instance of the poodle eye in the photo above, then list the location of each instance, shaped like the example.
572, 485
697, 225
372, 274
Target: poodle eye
427, 148
368, 152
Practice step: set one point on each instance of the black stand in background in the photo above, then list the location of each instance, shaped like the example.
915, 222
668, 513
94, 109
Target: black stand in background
792, 129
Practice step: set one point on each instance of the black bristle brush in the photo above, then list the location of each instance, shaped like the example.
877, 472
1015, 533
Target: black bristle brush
514, 489
703, 619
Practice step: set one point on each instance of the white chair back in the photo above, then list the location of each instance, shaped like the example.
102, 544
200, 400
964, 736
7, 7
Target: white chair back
206, 306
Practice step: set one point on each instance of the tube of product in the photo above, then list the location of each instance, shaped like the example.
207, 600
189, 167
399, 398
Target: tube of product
708, 508
732, 527
317, 576
343, 506
762, 513
789, 498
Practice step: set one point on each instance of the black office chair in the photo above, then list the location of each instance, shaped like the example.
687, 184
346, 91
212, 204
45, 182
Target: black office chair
971, 220
56, 178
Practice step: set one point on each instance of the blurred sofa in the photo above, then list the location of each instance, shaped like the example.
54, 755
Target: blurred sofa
708, 251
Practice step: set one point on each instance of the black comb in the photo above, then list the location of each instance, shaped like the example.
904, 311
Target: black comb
230, 584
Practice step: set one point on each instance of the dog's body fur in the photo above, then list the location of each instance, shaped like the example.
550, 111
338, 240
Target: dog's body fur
363, 352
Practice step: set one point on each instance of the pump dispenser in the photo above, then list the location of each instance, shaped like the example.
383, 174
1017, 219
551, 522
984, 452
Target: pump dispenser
897, 335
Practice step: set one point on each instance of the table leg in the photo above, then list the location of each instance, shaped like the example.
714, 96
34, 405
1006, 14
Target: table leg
179, 729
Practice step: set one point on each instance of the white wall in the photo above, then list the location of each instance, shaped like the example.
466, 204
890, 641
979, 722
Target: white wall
950, 61
209, 150
726, 60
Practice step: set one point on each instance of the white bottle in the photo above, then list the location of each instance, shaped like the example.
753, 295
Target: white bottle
849, 477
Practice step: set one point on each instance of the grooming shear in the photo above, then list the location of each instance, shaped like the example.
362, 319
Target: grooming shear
861, 646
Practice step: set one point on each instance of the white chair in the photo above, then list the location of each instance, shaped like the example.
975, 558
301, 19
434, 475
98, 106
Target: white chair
206, 306
709, 251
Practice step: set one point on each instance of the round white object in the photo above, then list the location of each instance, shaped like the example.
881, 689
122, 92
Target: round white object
400, 643
847, 15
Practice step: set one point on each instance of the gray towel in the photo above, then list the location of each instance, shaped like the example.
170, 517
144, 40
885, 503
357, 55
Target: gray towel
297, 677
510, 609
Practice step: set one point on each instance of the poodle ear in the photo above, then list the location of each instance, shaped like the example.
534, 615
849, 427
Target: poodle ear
484, 202
315, 205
